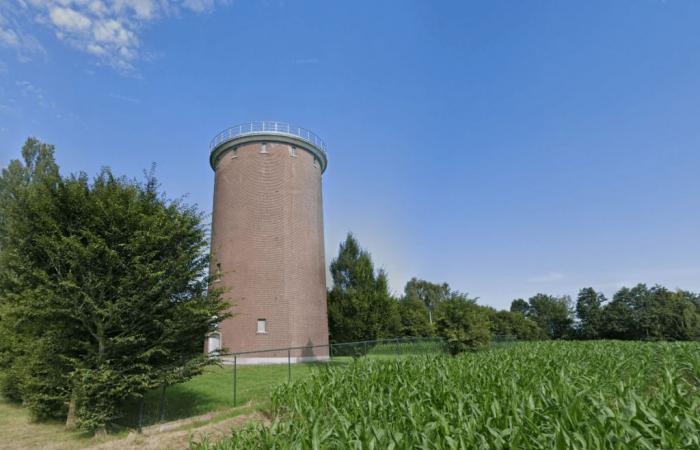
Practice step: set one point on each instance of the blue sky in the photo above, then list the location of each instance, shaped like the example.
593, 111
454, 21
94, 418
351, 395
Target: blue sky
507, 148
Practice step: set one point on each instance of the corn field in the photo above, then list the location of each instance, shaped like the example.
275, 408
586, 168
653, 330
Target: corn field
563, 395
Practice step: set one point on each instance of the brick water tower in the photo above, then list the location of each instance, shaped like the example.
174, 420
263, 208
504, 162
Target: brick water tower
267, 239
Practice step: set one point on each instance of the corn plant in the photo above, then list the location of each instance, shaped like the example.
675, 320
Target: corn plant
553, 395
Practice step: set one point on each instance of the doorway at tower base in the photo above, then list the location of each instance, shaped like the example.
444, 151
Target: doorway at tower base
245, 360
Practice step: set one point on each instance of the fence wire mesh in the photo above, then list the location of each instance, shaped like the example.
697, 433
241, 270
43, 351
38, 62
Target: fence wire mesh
245, 377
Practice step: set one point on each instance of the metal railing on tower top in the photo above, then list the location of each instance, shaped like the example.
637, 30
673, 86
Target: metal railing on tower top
267, 127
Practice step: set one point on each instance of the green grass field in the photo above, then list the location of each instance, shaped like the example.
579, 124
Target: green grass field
213, 391
17, 432
255, 383
539, 395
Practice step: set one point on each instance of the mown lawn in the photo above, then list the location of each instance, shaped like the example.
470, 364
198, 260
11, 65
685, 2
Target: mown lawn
213, 391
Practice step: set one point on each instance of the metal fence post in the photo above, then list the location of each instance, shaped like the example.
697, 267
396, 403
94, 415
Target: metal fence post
140, 429
161, 412
365, 348
289, 365
398, 351
235, 361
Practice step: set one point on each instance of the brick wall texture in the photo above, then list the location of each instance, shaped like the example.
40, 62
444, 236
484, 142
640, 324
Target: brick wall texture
267, 237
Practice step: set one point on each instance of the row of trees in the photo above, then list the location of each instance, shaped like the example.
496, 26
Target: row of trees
361, 307
103, 290
638, 313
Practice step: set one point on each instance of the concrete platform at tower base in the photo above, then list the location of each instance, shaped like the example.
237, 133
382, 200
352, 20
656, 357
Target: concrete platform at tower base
247, 361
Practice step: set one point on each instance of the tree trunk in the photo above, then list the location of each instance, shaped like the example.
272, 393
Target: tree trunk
71, 419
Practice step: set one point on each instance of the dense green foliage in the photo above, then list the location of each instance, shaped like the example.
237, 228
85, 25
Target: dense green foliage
568, 395
414, 317
638, 313
589, 312
360, 306
430, 294
650, 313
463, 324
508, 323
551, 314
103, 290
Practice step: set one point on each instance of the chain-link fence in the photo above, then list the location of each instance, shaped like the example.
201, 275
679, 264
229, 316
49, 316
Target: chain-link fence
334, 353
246, 377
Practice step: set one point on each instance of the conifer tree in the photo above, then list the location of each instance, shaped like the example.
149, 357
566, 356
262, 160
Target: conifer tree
360, 306
104, 292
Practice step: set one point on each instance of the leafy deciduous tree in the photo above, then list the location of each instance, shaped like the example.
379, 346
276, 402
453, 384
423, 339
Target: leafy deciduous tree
589, 312
519, 306
414, 318
552, 314
463, 324
431, 294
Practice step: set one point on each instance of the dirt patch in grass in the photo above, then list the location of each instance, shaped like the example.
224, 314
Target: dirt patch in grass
17, 432
177, 435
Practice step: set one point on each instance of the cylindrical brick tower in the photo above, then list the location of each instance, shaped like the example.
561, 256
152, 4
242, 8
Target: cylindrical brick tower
267, 239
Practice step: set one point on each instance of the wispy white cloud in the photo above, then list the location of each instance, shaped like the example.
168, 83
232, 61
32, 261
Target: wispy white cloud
29, 90
548, 277
13, 37
108, 30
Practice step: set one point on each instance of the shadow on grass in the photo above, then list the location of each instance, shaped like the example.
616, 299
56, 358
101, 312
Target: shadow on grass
213, 391
180, 402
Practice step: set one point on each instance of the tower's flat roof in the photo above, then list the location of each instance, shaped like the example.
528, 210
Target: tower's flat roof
270, 128
267, 127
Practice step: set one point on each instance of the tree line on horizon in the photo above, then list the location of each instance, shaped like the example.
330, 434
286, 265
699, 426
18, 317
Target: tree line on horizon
360, 307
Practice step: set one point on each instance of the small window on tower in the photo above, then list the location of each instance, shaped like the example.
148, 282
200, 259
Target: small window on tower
262, 326
263, 147
292, 151
234, 152
316, 163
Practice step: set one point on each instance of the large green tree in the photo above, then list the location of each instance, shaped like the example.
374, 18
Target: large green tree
589, 310
414, 318
104, 292
552, 314
360, 306
509, 323
520, 306
652, 313
463, 323
431, 294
